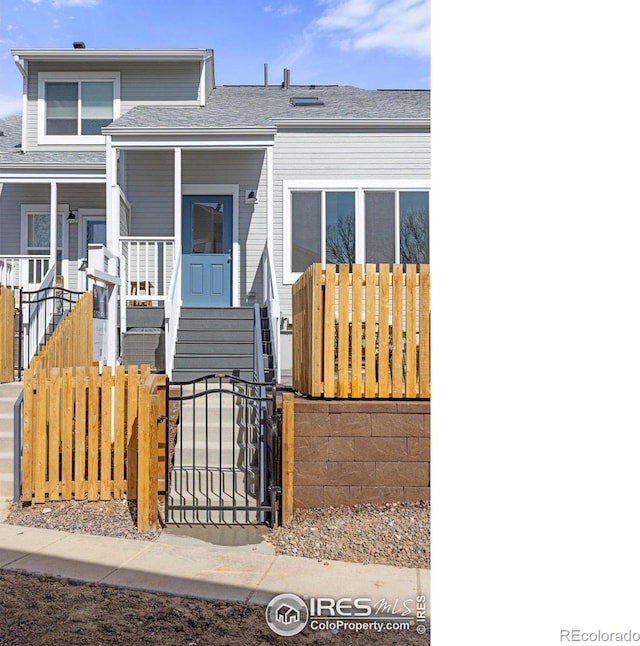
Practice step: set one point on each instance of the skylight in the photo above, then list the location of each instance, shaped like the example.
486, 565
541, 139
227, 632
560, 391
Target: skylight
305, 100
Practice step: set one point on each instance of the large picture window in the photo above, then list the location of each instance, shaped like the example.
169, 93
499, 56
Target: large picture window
76, 109
363, 225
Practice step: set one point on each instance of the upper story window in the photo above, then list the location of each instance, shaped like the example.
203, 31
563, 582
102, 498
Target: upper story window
73, 108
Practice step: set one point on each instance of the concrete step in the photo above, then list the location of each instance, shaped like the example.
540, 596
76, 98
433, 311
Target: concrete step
182, 375
209, 364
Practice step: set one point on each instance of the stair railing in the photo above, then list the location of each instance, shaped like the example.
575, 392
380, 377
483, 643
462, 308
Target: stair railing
172, 315
271, 301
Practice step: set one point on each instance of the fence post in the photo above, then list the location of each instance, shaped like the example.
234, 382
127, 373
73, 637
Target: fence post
7, 334
27, 437
287, 457
143, 456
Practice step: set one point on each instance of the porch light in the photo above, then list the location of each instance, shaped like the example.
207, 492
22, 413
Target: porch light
251, 196
71, 217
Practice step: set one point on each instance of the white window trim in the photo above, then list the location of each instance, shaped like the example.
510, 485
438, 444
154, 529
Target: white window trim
359, 186
44, 209
44, 77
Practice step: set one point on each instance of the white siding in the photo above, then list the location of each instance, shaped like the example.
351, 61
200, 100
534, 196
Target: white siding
139, 82
336, 155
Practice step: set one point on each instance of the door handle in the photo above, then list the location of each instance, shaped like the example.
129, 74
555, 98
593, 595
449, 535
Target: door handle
228, 258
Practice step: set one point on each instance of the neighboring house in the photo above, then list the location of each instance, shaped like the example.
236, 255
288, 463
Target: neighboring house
205, 196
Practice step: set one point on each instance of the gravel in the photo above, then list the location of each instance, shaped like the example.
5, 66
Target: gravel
391, 534
104, 518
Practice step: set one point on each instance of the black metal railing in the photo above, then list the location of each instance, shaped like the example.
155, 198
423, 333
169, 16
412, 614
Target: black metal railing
40, 312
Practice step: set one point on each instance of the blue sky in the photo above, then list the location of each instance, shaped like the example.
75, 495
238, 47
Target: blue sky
367, 43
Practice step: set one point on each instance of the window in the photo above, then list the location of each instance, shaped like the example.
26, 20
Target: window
414, 226
74, 110
36, 232
396, 226
355, 224
322, 228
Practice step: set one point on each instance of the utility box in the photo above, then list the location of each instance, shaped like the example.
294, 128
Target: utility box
144, 345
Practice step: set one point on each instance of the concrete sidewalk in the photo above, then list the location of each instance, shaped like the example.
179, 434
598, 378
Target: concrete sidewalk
190, 567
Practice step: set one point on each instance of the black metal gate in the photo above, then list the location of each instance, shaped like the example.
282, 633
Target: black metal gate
223, 452
40, 312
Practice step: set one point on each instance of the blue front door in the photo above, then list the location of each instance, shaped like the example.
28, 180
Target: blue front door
207, 222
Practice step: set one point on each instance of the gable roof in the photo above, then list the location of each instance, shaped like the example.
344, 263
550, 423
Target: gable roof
258, 107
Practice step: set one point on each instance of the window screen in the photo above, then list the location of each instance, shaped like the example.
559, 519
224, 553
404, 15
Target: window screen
305, 229
379, 226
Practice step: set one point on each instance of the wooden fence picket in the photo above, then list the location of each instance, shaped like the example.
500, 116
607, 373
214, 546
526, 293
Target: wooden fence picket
349, 346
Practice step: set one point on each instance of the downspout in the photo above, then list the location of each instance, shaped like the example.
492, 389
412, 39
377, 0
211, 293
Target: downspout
23, 70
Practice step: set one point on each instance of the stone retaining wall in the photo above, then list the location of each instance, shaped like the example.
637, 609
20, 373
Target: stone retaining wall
352, 452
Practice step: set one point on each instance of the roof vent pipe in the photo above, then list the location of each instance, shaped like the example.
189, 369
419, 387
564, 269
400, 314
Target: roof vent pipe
266, 75
287, 78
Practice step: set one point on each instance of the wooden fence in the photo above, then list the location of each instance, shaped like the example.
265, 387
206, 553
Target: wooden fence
94, 436
71, 344
7, 334
362, 334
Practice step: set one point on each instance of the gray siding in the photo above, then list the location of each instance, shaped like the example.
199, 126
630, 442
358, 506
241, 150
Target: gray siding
77, 196
245, 168
139, 82
150, 192
336, 155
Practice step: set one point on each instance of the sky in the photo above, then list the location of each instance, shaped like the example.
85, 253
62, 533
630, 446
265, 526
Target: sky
367, 43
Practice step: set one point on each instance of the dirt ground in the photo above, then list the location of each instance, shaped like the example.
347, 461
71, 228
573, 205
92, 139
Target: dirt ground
44, 611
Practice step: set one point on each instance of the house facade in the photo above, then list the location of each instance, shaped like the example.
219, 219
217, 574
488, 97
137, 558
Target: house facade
133, 170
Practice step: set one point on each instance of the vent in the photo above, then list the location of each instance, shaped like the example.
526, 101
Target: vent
305, 100
78, 44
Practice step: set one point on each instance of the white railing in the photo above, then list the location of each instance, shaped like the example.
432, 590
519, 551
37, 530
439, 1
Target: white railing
26, 272
149, 268
172, 316
105, 269
271, 300
36, 320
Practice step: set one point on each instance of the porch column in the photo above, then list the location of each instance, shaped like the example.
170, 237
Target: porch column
177, 202
113, 215
270, 203
53, 231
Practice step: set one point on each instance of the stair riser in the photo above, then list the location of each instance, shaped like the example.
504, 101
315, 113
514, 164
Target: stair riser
230, 348
233, 313
213, 336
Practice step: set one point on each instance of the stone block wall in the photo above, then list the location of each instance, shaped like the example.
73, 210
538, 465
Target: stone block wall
349, 452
